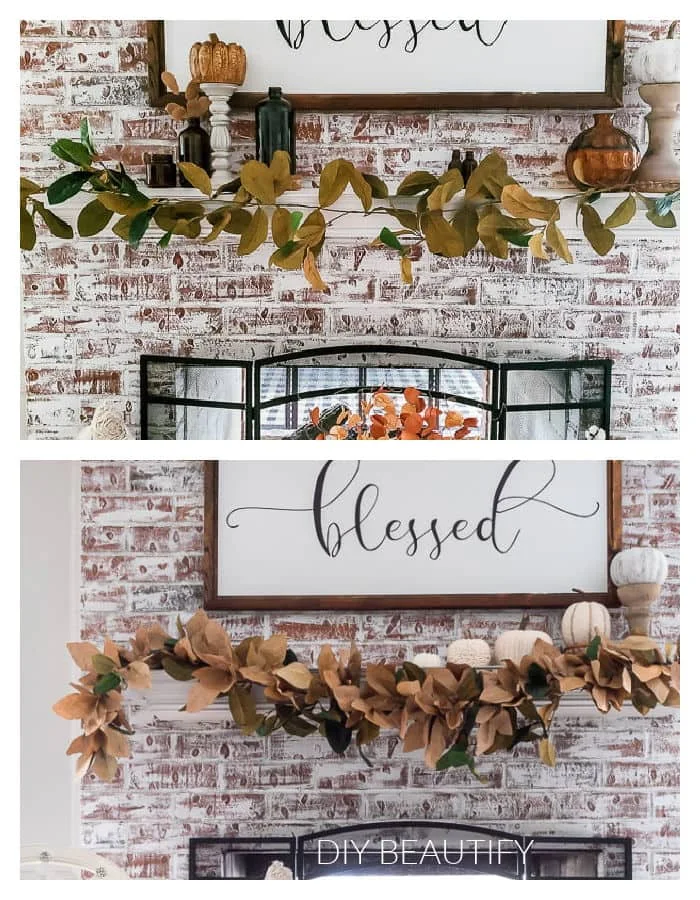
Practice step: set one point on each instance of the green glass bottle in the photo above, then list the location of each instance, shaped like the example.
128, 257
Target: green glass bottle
274, 128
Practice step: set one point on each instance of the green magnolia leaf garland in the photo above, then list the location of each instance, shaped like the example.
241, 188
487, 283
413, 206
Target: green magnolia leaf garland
492, 209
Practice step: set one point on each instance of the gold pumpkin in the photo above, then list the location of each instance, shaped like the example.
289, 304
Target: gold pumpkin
218, 62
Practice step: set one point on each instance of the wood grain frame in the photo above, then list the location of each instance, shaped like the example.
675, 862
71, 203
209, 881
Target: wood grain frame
357, 603
609, 98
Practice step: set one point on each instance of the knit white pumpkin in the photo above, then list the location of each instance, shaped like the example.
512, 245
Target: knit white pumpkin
639, 565
516, 644
658, 62
469, 652
427, 661
582, 621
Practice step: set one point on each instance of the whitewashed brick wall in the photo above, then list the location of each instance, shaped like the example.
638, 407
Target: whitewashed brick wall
142, 562
93, 307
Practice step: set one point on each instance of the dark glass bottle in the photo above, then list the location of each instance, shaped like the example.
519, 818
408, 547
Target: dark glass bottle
468, 165
161, 171
456, 161
274, 128
194, 146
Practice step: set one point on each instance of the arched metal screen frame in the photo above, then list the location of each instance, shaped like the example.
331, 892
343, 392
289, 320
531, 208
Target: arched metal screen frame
252, 405
295, 850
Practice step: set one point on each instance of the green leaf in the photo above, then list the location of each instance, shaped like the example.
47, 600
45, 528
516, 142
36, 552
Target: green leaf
289, 257
139, 225
559, 244
416, 183
289, 657
466, 222
56, 225
378, 188
257, 179
440, 236
239, 221
72, 152
66, 186
298, 727
488, 179
536, 685
622, 214
413, 672
455, 758
107, 683
515, 237
338, 736
297, 217
655, 216
197, 177
599, 237
242, 706
255, 234
165, 240
218, 219
361, 188
103, 664
122, 226
266, 726
177, 669
86, 137
593, 648
333, 181
387, 236
281, 226
93, 218
28, 187
27, 230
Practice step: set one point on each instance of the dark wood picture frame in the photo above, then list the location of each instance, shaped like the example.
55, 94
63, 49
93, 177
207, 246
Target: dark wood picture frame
611, 97
354, 602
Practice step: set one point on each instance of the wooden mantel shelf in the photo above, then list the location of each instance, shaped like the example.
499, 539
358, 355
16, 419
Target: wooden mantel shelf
164, 701
357, 225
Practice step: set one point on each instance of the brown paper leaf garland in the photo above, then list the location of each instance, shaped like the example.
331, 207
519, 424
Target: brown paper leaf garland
451, 713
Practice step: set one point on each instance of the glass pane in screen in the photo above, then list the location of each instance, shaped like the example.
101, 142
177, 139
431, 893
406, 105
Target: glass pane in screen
197, 382
554, 424
346, 386
194, 423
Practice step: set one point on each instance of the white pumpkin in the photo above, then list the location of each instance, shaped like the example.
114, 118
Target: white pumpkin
658, 62
427, 660
582, 621
639, 565
516, 644
469, 652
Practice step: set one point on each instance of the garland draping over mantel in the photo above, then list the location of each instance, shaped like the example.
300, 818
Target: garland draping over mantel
493, 209
453, 713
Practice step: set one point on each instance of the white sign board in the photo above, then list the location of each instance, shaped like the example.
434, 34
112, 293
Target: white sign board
308, 58
394, 529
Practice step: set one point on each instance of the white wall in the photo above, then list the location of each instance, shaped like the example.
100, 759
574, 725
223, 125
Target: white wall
50, 503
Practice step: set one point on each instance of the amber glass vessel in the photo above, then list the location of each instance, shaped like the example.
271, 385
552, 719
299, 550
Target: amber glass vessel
602, 156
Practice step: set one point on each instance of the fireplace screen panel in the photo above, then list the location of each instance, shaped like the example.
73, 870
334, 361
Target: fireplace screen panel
272, 399
414, 848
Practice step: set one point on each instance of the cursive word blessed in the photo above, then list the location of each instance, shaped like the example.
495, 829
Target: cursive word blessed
405, 852
389, 33
493, 528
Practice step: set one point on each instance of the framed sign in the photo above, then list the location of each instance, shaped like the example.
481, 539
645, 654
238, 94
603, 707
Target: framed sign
354, 535
408, 63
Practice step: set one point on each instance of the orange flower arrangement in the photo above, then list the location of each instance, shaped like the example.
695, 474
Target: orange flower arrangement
380, 420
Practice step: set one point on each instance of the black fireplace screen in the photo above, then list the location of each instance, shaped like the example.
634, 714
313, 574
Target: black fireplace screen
412, 848
185, 398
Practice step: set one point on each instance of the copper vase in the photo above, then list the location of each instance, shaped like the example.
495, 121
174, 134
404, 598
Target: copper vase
602, 156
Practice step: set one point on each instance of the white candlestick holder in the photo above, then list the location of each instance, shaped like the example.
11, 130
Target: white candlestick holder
220, 93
